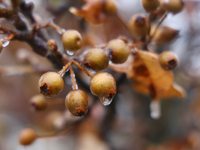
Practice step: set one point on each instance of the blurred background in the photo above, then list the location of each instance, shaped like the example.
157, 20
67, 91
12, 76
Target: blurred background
126, 123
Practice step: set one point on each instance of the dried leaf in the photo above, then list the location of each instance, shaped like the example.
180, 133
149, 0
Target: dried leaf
149, 77
93, 11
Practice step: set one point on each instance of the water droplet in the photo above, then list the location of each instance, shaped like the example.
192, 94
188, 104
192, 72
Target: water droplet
155, 109
106, 101
6, 43
70, 53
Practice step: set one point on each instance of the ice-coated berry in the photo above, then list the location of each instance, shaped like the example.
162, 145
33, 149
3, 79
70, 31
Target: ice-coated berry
50, 84
103, 85
118, 51
95, 59
72, 41
76, 102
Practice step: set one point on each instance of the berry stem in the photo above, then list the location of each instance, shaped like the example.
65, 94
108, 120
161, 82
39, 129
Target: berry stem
65, 68
55, 102
6, 30
149, 22
10, 37
157, 26
75, 63
48, 24
60, 132
137, 44
74, 87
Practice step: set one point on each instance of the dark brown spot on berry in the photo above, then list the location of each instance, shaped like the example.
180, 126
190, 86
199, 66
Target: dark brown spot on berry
87, 65
110, 53
172, 64
45, 89
80, 112
110, 96
78, 41
140, 21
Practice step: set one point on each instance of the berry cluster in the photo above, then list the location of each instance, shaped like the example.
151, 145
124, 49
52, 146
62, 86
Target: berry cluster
131, 55
102, 84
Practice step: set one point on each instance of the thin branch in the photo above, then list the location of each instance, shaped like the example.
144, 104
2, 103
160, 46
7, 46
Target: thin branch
48, 24
65, 68
60, 132
157, 26
73, 78
77, 64
10, 37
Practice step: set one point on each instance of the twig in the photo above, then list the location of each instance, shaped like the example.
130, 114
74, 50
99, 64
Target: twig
77, 64
157, 26
65, 68
73, 78
60, 132
48, 24
10, 37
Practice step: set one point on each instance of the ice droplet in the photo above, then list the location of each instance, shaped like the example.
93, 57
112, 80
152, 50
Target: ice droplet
155, 110
70, 53
107, 101
6, 43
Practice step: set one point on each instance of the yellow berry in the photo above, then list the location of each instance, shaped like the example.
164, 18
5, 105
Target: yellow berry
39, 102
110, 7
96, 59
50, 84
174, 6
139, 27
103, 85
72, 41
27, 136
168, 60
76, 102
150, 5
118, 51
52, 45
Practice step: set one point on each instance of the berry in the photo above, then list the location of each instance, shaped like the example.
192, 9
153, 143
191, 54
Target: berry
50, 84
103, 85
52, 45
110, 7
96, 59
76, 102
168, 60
39, 102
27, 136
118, 51
72, 41
1, 46
174, 6
150, 5
139, 27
